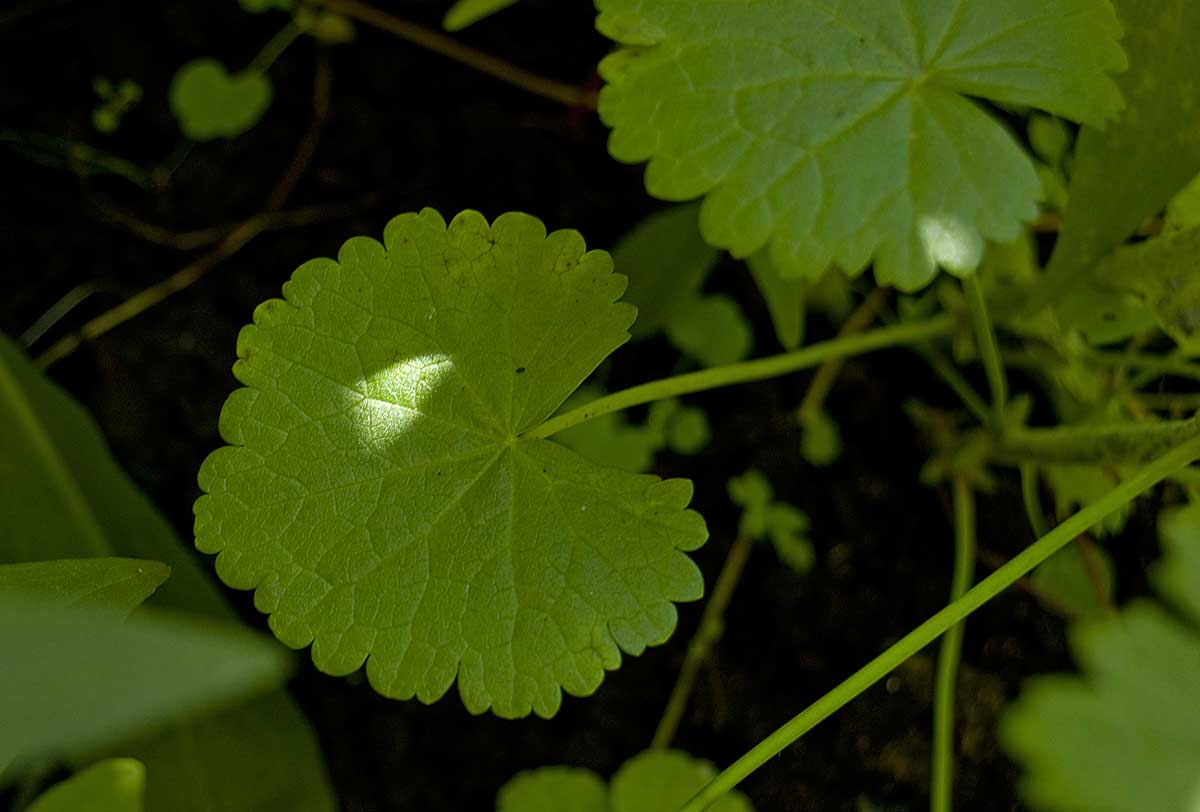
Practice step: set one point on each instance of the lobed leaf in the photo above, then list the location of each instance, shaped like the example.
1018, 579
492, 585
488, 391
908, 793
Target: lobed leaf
849, 132
380, 498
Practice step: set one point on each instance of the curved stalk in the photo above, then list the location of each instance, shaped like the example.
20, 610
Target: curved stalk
942, 780
746, 371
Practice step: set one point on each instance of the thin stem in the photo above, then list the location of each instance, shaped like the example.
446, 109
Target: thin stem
825, 377
275, 48
955, 380
1029, 497
712, 623
439, 43
1144, 479
989, 349
950, 653
747, 371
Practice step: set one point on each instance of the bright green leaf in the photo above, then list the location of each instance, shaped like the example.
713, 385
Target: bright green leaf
1125, 174
113, 785
820, 438
119, 584
848, 133
379, 496
1077, 579
554, 789
663, 780
210, 103
63, 496
666, 261
83, 677
1124, 736
652, 781
784, 296
469, 12
713, 330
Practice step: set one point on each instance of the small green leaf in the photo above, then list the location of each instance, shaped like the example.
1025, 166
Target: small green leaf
666, 261
663, 780
380, 497
1049, 138
332, 29
1124, 736
787, 527
84, 677
713, 330
1077, 485
468, 12
210, 103
113, 785
120, 584
785, 298
820, 439
848, 132
752, 492
652, 781
1077, 579
554, 789
687, 430
1125, 174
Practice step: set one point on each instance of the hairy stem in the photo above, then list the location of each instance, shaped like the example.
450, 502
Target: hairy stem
1112, 444
942, 789
1145, 478
989, 349
747, 371
712, 624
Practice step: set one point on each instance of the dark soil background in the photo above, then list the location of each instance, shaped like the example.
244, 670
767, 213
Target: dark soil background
408, 129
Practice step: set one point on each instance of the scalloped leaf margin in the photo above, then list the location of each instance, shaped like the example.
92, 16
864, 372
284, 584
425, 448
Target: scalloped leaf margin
379, 498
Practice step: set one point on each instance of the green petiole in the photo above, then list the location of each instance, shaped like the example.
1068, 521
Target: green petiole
760, 369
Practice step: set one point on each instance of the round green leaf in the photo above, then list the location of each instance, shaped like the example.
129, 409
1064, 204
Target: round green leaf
848, 132
378, 493
554, 789
210, 103
663, 781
